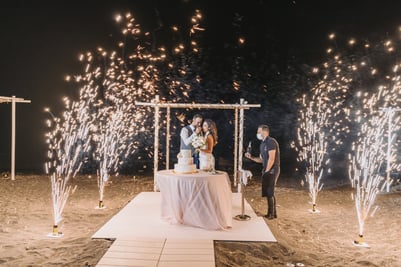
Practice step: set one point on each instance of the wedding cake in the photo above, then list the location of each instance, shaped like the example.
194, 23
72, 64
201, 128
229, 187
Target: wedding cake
185, 162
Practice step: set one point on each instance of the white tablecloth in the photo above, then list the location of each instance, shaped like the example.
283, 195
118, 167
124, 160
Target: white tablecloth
201, 199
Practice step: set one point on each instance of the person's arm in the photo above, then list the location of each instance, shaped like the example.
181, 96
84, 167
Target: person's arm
184, 136
209, 145
256, 159
270, 162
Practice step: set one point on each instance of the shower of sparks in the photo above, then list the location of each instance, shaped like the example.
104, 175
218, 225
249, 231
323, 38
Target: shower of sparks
346, 98
114, 130
373, 155
119, 79
333, 107
105, 122
182, 75
68, 142
366, 161
321, 123
393, 125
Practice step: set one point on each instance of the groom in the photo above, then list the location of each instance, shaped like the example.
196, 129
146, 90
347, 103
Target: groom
188, 133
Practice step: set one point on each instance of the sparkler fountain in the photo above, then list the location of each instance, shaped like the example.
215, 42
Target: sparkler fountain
314, 144
365, 163
112, 145
393, 125
131, 77
112, 82
374, 114
67, 142
118, 80
321, 120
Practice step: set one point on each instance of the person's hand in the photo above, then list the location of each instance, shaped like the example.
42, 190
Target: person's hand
248, 155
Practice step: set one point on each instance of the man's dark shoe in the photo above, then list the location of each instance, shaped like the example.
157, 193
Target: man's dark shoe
269, 216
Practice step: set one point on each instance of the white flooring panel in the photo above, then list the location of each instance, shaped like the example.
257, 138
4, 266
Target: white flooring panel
141, 219
161, 253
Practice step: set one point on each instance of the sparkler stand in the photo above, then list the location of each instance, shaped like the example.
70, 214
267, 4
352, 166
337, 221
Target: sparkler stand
101, 206
314, 209
242, 216
360, 243
55, 233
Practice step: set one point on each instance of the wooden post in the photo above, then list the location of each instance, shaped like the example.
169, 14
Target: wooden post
13, 100
241, 135
168, 139
13, 117
156, 142
235, 146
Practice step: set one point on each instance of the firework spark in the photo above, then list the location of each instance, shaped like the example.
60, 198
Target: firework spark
68, 142
320, 124
365, 163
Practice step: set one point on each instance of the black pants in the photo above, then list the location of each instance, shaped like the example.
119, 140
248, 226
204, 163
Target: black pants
269, 180
196, 159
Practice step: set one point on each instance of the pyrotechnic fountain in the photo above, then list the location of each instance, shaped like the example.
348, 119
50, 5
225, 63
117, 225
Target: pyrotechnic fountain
116, 120
366, 161
314, 146
67, 142
324, 120
393, 125
370, 151
115, 80
352, 72
321, 123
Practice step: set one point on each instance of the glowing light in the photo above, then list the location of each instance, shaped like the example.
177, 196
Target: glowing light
118, 18
105, 115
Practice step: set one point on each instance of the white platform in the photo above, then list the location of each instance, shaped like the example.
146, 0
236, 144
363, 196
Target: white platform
160, 253
141, 219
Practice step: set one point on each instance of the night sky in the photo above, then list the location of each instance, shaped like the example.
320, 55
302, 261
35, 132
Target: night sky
40, 43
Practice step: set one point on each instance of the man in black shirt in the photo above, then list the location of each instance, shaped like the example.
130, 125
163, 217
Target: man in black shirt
270, 159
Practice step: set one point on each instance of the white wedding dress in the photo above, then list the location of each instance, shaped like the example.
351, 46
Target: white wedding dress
206, 160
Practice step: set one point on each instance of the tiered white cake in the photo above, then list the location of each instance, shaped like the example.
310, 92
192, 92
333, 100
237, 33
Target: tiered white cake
185, 162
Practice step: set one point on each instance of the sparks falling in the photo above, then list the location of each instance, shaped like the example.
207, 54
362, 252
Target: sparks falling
373, 154
366, 161
68, 143
321, 123
111, 82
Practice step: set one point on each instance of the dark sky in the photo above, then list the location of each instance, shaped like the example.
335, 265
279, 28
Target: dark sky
40, 42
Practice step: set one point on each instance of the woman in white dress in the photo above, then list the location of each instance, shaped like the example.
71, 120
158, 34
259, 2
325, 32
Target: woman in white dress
206, 158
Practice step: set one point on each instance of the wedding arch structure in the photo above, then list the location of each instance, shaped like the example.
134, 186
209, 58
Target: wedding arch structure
13, 100
238, 127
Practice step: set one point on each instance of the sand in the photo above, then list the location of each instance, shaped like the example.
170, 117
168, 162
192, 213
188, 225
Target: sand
304, 238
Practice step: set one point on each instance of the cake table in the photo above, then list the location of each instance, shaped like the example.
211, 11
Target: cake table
201, 199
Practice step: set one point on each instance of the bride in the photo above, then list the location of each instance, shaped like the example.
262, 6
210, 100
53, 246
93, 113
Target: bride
206, 158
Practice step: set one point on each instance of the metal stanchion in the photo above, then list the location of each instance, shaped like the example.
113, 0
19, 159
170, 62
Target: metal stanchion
242, 216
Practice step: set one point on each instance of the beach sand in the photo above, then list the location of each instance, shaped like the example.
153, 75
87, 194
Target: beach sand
304, 238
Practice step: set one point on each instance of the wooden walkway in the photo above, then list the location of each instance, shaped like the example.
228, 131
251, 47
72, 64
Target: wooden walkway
159, 253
